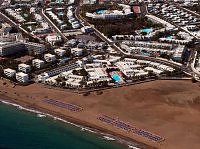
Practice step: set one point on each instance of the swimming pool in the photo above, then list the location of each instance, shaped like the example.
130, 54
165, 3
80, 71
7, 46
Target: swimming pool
169, 37
60, 14
147, 30
59, 1
101, 11
145, 54
117, 78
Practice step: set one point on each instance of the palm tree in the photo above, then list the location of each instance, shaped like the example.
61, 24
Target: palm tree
63, 84
193, 80
82, 84
151, 73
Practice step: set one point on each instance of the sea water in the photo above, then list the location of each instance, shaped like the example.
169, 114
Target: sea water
24, 130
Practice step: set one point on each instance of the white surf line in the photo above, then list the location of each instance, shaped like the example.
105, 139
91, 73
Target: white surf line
91, 130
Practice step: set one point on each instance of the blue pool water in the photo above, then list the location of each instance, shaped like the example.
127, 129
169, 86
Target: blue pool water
102, 11
145, 54
59, 1
117, 78
169, 37
147, 30
60, 13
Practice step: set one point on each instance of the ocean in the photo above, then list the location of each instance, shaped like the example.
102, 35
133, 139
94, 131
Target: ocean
24, 130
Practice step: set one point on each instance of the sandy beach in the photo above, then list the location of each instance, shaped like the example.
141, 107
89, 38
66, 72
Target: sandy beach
169, 109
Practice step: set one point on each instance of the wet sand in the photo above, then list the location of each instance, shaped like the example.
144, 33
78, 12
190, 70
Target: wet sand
169, 109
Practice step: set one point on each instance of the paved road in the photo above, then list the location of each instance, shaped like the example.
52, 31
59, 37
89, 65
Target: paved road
7, 19
97, 32
53, 25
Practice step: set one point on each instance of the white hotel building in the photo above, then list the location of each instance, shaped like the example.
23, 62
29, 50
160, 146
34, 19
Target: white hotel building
127, 68
49, 57
97, 74
112, 14
9, 72
38, 63
24, 68
60, 52
77, 51
10, 48
22, 77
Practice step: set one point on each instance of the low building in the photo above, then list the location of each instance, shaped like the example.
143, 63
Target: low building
130, 60
141, 74
124, 67
160, 21
143, 62
60, 52
89, 2
22, 77
38, 63
145, 44
74, 81
176, 41
111, 14
9, 72
35, 48
42, 77
15, 15
77, 51
71, 66
52, 39
97, 74
165, 68
86, 29
72, 84
54, 17
49, 57
6, 27
178, 53
137, 10
75, 77
10, 48
24, 68
156, 71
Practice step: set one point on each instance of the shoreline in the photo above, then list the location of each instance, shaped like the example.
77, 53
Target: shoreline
164, 108
84, 126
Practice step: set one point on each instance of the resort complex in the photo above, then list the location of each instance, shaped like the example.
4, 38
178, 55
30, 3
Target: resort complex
62, 45
111, 14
